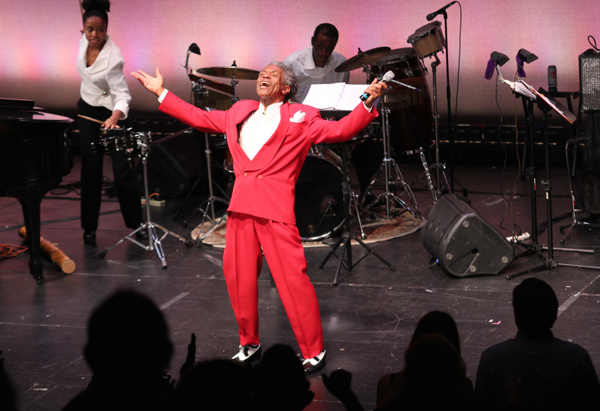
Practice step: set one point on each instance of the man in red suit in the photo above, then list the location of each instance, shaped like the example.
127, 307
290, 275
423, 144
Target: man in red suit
269, 141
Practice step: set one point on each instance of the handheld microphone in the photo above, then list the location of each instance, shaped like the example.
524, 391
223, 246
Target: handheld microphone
430, 16
386, 78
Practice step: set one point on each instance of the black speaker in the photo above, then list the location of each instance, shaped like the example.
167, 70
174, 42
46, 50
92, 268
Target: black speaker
589, 80
462, 241
174, 163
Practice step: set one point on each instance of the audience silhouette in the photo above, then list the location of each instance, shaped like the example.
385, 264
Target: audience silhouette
535, 370
7, 393
280, 382
128, 350
217, 384
434, 375
437, 322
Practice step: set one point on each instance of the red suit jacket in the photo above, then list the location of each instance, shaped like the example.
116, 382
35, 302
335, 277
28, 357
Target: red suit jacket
265, 186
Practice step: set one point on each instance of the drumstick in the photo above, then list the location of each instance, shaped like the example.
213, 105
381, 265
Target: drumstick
56, 255
91, 119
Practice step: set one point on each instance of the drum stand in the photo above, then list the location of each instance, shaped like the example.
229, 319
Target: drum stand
154, 241
209, 203
347, 236
392, 175
207, 208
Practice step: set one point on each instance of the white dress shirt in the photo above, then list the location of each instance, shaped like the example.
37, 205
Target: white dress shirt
103, 83
257, 129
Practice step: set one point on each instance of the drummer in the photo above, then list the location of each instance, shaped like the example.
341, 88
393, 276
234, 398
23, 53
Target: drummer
316, 64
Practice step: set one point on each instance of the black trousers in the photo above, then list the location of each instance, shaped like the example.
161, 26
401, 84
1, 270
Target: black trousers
91, 174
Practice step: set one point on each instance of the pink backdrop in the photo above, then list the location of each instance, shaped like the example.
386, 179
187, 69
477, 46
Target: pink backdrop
39, 41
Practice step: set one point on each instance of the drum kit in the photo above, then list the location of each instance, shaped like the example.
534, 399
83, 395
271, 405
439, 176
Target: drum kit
136, 144
406, 128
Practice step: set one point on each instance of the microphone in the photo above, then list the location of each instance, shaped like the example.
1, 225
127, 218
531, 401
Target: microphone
386, 78
430, 16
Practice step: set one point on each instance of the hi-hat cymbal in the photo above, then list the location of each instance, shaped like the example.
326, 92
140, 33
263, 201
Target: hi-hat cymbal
230, 72
363, 57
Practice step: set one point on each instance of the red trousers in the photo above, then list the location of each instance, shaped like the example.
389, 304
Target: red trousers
247, 237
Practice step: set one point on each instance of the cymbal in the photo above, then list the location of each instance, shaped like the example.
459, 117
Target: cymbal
231, 72
363, 57
211, 84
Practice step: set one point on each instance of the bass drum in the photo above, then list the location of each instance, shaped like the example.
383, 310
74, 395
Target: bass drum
410, 117
319, 203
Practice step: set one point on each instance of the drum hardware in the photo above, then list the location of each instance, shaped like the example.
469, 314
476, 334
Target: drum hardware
363, 58
392, 175
207, 208
143, 143
319, 195
347, 236
427, 42
388, 165
209, 204
230, 72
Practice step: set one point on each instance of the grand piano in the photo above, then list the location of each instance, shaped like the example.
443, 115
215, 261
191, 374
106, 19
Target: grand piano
34, 157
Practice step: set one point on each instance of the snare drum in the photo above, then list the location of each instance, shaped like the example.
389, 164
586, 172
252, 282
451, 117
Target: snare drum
113, 141
427, 40
319, 203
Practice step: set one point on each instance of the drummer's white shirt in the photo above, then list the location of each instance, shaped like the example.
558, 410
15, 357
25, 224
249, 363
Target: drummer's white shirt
303, 65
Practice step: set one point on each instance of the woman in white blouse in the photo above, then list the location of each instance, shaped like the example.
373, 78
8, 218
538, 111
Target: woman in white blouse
105, 97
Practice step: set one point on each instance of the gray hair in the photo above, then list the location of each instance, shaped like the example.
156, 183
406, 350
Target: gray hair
289, 78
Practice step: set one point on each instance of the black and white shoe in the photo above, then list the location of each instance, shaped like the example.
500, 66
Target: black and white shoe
314, 364
248, 353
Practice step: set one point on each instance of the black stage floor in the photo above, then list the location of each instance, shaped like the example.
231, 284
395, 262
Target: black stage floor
368, 318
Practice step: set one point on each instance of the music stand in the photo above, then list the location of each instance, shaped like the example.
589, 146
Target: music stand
547, 104
347, 236
143, 142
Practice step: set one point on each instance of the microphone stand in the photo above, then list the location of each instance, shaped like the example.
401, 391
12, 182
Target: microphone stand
450, 131
347, 236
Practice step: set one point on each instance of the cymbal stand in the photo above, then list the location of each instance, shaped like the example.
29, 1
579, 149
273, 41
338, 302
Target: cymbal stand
143, 142
345, 241
208, 206
392, 174
199, 93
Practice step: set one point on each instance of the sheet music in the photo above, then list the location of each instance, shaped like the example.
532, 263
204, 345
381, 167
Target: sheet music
335, 96
517, 87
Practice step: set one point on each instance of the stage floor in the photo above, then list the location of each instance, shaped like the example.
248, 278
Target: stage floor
368, 318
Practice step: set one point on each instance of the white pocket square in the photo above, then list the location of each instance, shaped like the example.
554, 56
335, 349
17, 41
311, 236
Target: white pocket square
298, 117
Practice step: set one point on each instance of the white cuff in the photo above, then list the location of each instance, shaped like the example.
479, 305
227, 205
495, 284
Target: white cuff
162, 95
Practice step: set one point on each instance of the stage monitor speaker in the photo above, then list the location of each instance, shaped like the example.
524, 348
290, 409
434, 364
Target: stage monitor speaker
463, 242
589, 80
174, 162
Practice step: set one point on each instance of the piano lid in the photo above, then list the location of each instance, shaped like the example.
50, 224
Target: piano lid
25, 110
